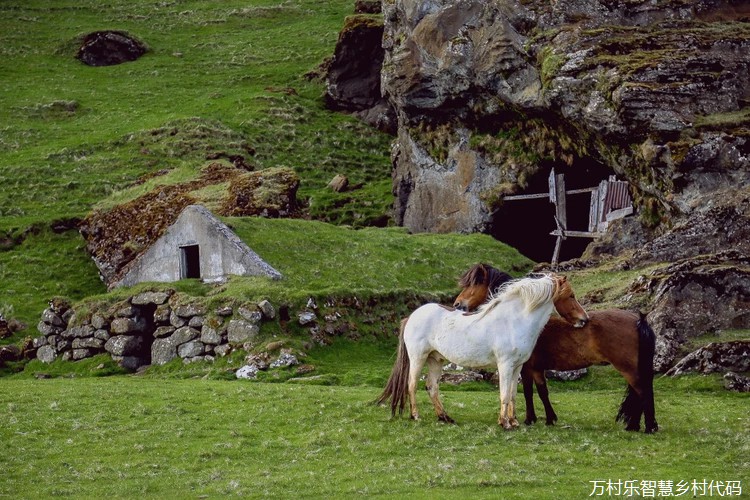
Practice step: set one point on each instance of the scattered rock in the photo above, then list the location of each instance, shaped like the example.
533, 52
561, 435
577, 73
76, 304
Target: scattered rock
566, 376
307, 317
285, 359
247, 372
267, 309
339, 183
736, 382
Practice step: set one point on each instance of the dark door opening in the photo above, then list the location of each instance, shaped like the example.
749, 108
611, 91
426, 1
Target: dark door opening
526, 224
190, 263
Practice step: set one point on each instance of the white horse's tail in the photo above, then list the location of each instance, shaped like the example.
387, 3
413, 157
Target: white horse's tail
396, 388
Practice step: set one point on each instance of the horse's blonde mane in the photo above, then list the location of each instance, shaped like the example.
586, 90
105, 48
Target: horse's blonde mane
533, 292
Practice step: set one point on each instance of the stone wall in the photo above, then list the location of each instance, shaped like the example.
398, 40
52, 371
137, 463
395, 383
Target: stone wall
150, 328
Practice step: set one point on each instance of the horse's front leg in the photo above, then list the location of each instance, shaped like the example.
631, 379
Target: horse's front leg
541, 386
512, 420
434, 371
507, 408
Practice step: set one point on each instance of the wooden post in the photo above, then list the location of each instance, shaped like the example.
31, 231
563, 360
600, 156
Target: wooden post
561, 217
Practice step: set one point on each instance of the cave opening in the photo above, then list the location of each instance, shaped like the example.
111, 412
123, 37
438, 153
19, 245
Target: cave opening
526, 224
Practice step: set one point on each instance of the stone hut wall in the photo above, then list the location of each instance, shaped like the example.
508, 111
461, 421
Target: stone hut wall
149, 328
221, 252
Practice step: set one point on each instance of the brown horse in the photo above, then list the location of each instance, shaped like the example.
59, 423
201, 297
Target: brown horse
620, 338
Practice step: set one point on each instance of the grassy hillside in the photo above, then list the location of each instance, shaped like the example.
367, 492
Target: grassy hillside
78, 133
220, 78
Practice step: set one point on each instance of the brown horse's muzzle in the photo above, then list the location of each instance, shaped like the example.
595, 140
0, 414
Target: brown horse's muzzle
581, 322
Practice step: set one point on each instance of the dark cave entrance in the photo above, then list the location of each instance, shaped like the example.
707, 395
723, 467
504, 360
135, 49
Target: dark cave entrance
526, 224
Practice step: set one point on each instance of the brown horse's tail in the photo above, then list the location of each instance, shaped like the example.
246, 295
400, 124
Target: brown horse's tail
633, 405
396, 388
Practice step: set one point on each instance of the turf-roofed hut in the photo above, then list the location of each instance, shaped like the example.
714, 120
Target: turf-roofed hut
196, 245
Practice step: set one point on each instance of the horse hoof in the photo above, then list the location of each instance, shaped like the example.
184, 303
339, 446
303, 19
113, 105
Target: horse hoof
506, 424
529, 421
514, 423
446, 419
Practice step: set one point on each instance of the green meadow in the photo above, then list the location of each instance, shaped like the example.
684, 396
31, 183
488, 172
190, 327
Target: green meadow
149, 437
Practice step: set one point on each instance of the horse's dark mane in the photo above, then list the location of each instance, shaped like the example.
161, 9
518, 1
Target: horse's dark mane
483, 274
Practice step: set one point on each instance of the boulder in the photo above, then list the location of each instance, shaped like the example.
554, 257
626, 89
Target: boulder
99, 322
267, 193
339, 183
163, 351
107, 48
247, 372
184, 334
88, 343
49, 317
210, 335
306, 318
715, 357
190, 310
164, 331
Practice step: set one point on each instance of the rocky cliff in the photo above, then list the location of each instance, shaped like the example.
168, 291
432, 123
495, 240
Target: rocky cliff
490, 96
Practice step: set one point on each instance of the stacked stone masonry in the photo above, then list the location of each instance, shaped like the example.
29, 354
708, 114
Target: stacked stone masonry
150, 328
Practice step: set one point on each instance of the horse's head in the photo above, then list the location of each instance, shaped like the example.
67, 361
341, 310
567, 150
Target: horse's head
477, 284
566, 303
471, 297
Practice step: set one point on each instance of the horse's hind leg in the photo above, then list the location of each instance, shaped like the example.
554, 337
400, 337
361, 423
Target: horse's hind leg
528, 394
649, 412
434, 371
415, 369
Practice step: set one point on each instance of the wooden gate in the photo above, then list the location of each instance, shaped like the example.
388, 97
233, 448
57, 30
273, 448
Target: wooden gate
610, 200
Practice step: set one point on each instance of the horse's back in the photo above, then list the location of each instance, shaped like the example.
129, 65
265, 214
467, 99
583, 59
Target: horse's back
610, 336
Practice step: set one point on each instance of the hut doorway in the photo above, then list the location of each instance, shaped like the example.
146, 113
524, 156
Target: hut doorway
190, 263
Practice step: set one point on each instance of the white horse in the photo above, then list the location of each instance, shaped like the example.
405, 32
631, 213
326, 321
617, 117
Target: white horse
500, 335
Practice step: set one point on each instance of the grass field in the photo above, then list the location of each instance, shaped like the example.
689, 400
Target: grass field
128, 436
